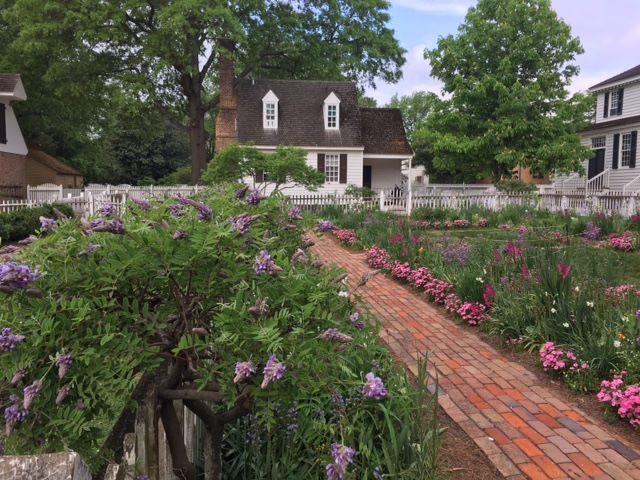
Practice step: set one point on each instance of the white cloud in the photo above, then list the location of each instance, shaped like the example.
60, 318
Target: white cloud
445, 7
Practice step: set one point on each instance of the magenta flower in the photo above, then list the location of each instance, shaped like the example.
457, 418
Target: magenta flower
489, 295
273, 371
565, 270
374, 387
473, 313
244, 371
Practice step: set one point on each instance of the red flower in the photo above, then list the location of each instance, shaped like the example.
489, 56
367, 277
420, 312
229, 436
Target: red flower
488, 295
565, 270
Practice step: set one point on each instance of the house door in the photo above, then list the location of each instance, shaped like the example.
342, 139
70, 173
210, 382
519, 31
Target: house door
596, 164
366, 176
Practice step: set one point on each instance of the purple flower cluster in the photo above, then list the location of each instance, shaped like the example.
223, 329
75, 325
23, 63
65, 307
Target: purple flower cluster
241, 223
335, 335
142, 203
325, 225
273, 371
92, 248
254, 198
30, 394
64, 363
107, 210
592, 231
295, 214
9, 340
176, 210
342, 458
457, 253
265, 264
13, 414
242, 192
180, 235
27, 241
299, 256
63, 392
357, 321
244, 371
48, 224
374, 387
14, 276
18, 376
114, 226
205, 214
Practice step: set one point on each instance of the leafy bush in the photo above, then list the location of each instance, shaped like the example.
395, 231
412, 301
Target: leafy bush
514, 185
20, 224
182, 176
206, 301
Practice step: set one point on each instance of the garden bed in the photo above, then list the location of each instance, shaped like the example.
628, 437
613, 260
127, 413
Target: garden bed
526, 279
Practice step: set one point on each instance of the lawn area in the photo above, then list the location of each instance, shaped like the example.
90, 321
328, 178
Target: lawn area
567, 287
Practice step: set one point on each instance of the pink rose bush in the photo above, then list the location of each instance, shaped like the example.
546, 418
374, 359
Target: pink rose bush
625, 399
623, 242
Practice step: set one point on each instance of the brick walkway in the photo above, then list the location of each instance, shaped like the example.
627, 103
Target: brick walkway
524, 429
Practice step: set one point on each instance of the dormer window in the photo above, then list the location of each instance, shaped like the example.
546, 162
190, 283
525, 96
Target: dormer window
332, 112
270, 111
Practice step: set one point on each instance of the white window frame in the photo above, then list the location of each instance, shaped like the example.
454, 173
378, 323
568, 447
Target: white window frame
623, 151
330, 103
598, 142
613, 106
270, 111
332, 168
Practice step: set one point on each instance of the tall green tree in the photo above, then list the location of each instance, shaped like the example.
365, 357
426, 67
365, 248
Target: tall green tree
507, 71
165, 51
415, 109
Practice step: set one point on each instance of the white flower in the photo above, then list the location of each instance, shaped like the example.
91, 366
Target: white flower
553, 310
576, 289
590, 304
565, 324
479, 279
484, 271
616, 343
342, 293
624, 318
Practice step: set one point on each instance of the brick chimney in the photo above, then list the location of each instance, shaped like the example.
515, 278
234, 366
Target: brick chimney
226, 133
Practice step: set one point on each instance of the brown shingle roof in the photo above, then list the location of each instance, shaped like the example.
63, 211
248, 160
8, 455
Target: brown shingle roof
383, 131
8, 82
632, 72
51, 162
620, 122
300, 113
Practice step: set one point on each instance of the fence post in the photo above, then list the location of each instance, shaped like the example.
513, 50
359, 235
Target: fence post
564, 203
631, 206
382, 199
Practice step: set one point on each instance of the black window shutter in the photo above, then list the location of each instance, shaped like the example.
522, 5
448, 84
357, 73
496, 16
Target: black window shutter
634, 143
321, 162
343, 168
605, 113
616, 147
3, 124
620, 95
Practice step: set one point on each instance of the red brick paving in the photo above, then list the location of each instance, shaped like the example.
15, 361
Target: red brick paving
522, 427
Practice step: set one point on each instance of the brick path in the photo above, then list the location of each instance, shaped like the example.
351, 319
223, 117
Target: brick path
524, 429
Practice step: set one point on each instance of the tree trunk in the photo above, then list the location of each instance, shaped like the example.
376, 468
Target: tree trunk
197, 137
216, 450
182, 467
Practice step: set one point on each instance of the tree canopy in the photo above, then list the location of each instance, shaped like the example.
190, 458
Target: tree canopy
506, 75
163, 53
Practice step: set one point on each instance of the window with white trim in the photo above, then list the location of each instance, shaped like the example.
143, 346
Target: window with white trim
332, 116
625, 150
598, 142
332, 168
331, 110
270, 115
614, 102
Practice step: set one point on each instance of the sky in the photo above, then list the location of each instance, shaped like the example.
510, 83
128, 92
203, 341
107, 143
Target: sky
609, 31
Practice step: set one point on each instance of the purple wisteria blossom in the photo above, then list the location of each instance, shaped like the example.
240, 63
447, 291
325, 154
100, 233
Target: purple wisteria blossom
180, 235
48, 224
30, 394
92, 248
374, 388
356, 321
9, 249
592, 231
342, 458
307, 242
177, 210
299, 257
295, 214
107, 210
13, 415
205, 213
28, 241
9, 340
260, 308
14, 276
244, 371
273, 371
18, 376
325, 225
240, 223
242, 192
265, 264
142, 203
63, 392
335, 335
64, 363
254, 198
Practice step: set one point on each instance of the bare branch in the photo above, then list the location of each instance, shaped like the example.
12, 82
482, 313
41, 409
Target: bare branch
203, 395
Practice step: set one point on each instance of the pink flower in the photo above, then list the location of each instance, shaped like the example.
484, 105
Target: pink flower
378, 257
565, 270
401, 270
623, 242
473, 313
554, 359
346, 236
488, 295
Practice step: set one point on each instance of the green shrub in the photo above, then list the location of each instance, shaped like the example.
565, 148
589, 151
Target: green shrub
20, 224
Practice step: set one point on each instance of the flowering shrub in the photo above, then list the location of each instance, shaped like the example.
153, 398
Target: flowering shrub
623, 242
626, 400
401, 271
346, 236
378, 257
556, 360
96, 314
473, 313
